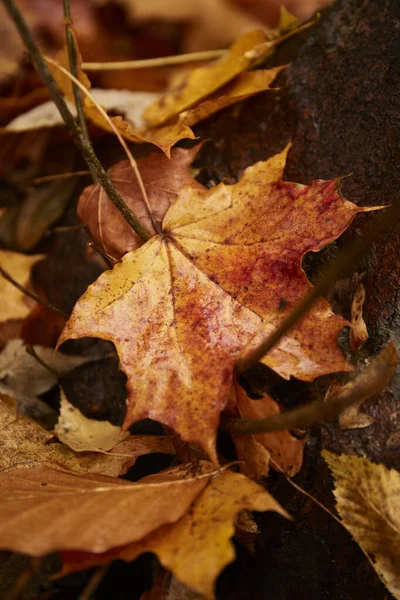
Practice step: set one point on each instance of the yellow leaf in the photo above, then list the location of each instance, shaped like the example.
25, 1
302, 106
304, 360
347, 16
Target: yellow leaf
368, 500
245, 85
15, 304
203, 81
83, 434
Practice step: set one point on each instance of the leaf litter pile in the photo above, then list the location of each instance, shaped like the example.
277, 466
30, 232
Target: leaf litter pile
137, 309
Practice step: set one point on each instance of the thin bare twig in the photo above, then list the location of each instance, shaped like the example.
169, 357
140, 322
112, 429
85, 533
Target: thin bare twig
121, 140
83, 145
32, 295
330, 513
163, 61
72, 64
57, 176
371, 381
32, 352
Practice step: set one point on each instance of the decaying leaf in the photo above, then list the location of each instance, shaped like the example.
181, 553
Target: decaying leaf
284, 448
245, 85
358, 329
44, 510
24, 378
83, 434
163, 178
377, 375
131, 104
203, 81
181, 308
24, 444
15, 304
367, 497
198, 546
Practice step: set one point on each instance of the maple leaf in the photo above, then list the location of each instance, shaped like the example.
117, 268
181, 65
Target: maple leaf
367, 498
15, 304
163, 178
198, 546
45, 510
285, 450
181, 308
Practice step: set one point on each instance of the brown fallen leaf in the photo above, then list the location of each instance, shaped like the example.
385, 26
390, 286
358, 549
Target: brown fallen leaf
376, 376
182, 307
198, 546
163, 178
254, 457
83, 434
46, 510
367, 499
245, 85
358, 328
284, 448
204, 20
24, 444
24, 378
15, 304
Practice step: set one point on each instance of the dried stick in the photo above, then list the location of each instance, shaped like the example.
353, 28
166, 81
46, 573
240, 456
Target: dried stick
83, 145
371, 381
32, 295
163, 61
72, 65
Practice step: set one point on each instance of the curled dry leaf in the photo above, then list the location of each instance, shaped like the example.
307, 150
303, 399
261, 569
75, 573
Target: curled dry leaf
83, 434
182, 307
203, 81
24, 444
284, 448
162, 178
198, 546
358, 329
15, 304
367, 499
245, 85
376, 376
45, 510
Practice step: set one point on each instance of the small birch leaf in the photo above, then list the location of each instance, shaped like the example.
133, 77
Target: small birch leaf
367, 499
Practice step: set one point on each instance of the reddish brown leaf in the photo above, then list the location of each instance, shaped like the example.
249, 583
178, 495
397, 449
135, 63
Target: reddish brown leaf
286, 451
162, 178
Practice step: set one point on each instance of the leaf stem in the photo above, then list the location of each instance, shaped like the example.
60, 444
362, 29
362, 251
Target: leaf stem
30, 294
371, 381
72, 65
154, 62
83, 145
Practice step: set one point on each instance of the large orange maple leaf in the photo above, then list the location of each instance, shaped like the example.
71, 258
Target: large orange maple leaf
181, 308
